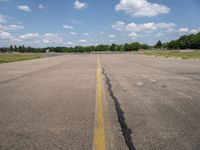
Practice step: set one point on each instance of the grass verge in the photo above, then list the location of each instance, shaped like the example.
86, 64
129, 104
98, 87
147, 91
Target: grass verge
173, 53
5, 58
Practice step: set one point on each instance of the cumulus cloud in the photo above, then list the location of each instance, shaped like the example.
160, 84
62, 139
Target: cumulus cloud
195, 31
52, 38
133, 35
11, 27
120, 25
140, 8
183, 30
158, 30
83, 41
73, 33
80, 5
70, 43
67, 27
29, 36
41, 6
25, 8
5, 35
146, 27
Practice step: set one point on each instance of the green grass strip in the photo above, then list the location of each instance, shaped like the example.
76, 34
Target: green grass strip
173, 53
5, 58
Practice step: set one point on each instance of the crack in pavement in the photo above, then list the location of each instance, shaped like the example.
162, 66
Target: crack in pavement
124, 128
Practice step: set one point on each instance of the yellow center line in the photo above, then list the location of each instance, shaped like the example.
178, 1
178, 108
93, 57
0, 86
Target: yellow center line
99, 133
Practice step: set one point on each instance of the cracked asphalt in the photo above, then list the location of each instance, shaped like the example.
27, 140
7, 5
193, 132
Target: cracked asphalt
149, 103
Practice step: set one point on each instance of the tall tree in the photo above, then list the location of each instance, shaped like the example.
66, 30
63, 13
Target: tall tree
113, 47
158, 44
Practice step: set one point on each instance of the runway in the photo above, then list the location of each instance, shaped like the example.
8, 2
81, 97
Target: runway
146, 103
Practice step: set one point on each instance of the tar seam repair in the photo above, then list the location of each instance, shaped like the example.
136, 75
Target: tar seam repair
124, 128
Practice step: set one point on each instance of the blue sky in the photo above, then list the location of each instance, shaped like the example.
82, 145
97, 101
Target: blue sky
44, 23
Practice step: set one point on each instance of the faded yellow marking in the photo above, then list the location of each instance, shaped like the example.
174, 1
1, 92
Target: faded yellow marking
99, 133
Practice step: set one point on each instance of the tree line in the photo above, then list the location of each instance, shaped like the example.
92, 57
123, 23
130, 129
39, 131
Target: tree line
191, 41
99, 48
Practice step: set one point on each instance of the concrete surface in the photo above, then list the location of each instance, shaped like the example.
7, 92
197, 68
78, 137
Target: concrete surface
149, 103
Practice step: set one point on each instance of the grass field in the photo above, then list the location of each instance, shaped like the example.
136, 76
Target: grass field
173, 53
5, 58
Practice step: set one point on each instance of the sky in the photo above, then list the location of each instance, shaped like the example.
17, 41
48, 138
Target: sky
42, 23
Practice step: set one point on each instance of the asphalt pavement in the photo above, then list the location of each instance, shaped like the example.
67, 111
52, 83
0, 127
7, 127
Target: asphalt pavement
148, 103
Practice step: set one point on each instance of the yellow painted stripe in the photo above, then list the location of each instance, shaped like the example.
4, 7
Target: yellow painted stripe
99, 137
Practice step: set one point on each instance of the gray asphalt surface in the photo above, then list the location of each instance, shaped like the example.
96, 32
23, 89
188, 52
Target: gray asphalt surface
160, 99
49, 103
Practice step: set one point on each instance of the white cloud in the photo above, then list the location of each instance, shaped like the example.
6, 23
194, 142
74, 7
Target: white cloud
24, 8
80, 5
195, 31
29, 36
133, 34
69, 43
139, 8
146, 27
83, 41
41, 6
68, 27
5, 35
120, 25
2, 19
52, 38
112, 36
183, 30
11, 27
143, 30
73, 33
16, 39
86, 34
150, 29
